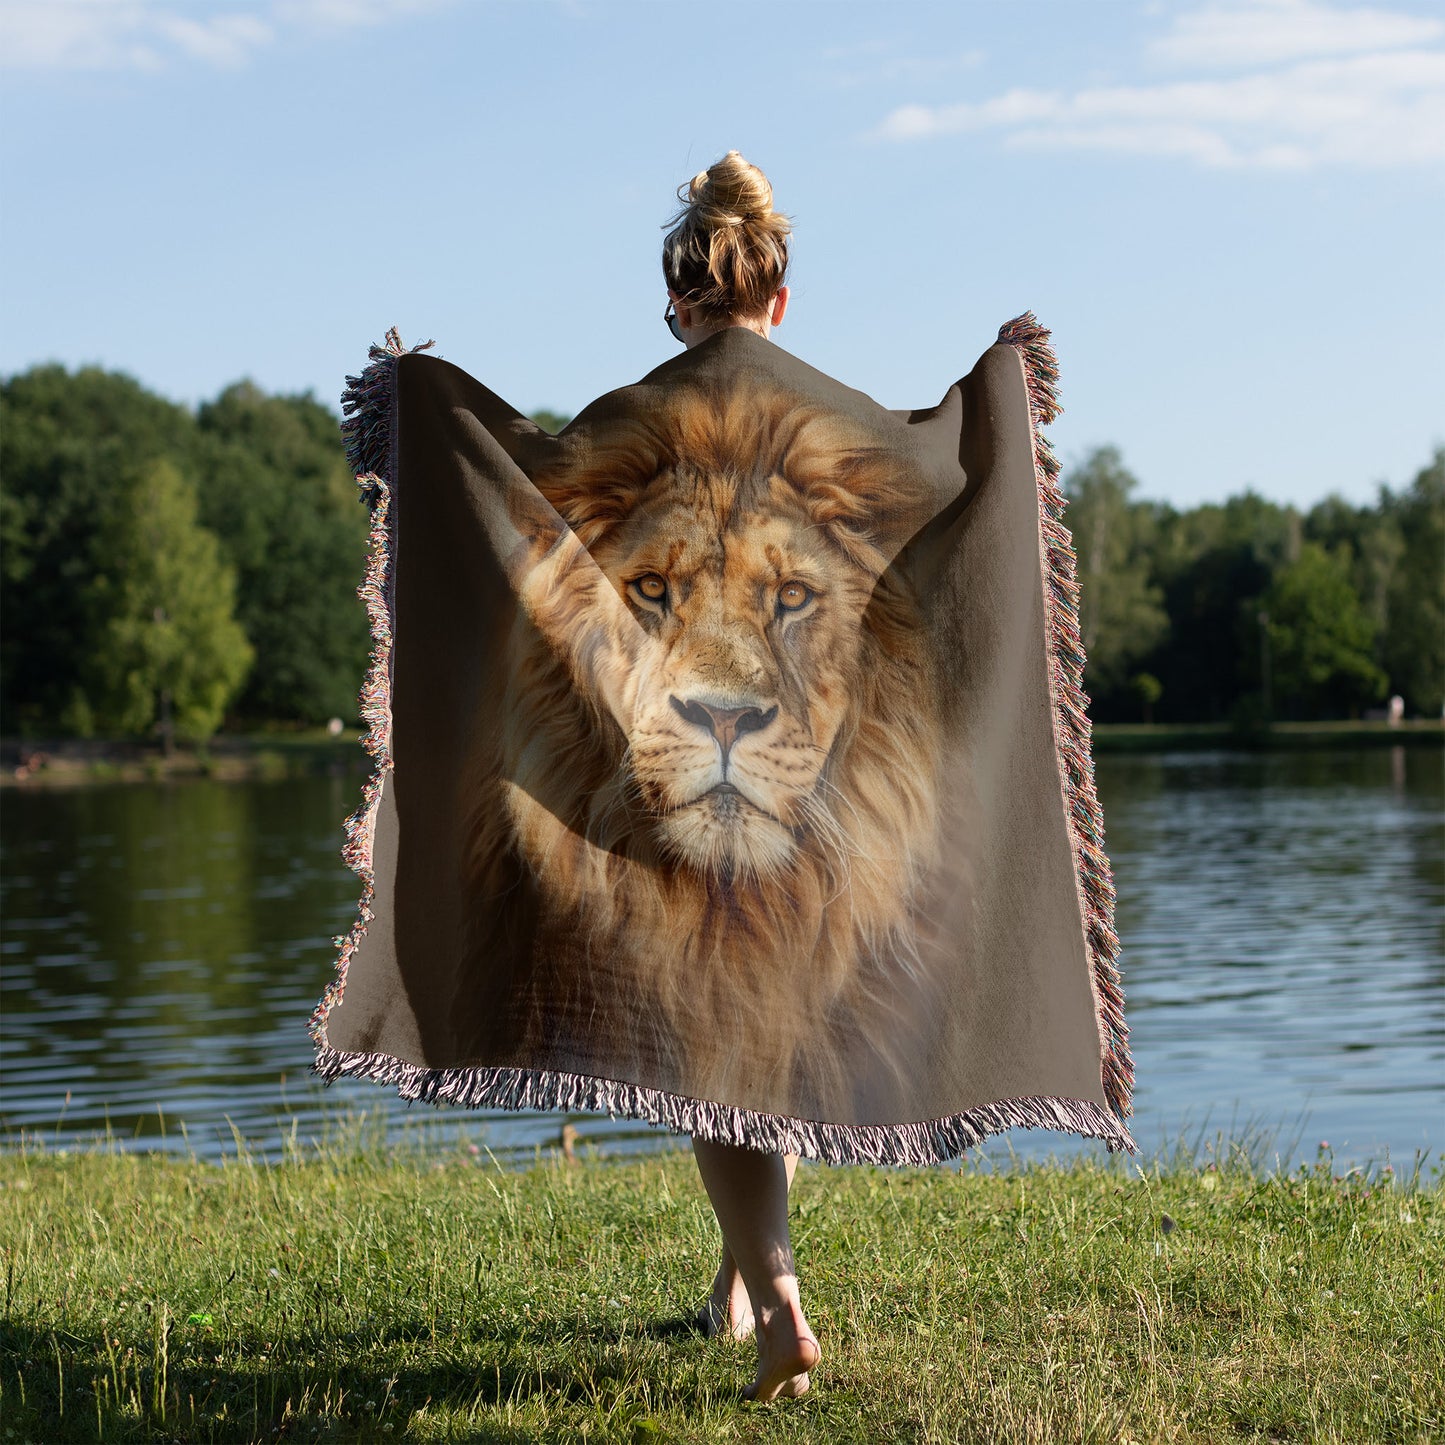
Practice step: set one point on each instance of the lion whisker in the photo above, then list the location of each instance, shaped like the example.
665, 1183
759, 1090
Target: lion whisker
837, 845
835, 792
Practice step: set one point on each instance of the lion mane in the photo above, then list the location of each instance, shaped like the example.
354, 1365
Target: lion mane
704, 824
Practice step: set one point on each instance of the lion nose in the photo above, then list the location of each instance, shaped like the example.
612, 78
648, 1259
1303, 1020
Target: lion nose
726, 724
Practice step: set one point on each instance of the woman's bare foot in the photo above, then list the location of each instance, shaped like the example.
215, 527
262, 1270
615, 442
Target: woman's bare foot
787, 1351
728, 1310
749, 1193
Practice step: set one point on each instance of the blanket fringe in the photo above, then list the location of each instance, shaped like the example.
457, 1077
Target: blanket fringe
929, 1141
368, 405
1072, 727
369, 432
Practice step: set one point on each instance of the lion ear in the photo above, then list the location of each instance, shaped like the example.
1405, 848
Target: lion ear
868, 497
531, 450
534, 517
594, 480
858, 489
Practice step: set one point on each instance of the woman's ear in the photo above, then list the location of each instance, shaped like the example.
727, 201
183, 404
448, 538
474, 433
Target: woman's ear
780, 306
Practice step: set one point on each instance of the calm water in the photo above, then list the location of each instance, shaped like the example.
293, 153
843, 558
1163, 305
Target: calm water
1281, 917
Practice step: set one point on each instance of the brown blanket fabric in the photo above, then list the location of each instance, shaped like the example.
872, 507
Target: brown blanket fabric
733, 771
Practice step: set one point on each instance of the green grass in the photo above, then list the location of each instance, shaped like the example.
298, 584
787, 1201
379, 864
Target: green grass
360, 1294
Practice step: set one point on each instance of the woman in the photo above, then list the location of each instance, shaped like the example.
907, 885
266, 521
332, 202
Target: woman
725, 260
877, 931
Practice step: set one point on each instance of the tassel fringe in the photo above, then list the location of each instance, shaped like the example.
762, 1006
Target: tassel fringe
930, 1141
369, 432
368, 405
369, 435
1072, 728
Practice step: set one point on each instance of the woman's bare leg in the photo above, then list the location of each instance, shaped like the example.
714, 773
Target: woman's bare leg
728, 1309
749, 1193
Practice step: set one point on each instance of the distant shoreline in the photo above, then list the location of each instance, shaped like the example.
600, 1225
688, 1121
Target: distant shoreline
1280, 737
242, 757
227, 757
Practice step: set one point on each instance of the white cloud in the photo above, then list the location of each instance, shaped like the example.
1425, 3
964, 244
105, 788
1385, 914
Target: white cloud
347, 14
225, 40
1270, 32
1382, 105
151, 34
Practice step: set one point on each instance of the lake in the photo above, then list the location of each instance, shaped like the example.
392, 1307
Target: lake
1282, 918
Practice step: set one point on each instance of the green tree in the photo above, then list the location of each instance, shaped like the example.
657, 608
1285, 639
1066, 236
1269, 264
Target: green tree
1414, 649
275, 488
171, 654
550, 421
1214, 563
67, 442
1122, 616
1320, 639
1147, 688
1370, 538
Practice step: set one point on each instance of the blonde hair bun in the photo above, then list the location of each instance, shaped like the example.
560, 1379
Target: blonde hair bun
727, 251
730, 192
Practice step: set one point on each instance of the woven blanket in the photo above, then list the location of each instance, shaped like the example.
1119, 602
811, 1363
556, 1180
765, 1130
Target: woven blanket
732, 763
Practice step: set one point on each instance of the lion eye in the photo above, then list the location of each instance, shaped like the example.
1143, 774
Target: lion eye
651, 586
792, 595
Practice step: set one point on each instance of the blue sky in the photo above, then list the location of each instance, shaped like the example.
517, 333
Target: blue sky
1229, 211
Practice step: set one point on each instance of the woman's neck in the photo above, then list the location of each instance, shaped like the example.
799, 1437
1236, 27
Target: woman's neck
696, 335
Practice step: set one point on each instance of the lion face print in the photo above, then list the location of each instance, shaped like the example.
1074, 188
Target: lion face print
751, 620
717, 616
715, 769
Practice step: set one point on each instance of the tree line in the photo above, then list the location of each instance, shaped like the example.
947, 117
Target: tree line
1247, 610
170, 572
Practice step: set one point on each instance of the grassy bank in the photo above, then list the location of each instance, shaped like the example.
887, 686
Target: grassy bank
229, 757
356, 1295
296, 753
1282, 737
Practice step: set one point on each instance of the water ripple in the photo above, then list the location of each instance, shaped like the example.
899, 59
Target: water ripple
1282, 920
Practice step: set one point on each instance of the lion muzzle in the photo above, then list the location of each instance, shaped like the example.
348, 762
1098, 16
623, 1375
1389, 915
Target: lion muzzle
725, 724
